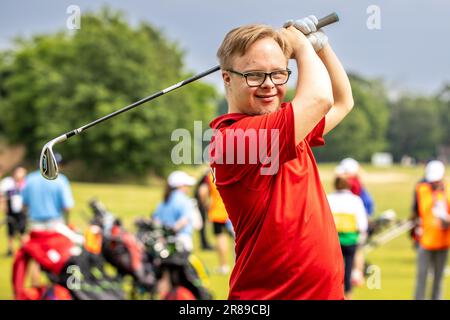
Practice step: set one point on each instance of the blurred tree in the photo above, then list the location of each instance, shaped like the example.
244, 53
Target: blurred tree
414, 127
363, 131
4, 73
61, 81
444, 114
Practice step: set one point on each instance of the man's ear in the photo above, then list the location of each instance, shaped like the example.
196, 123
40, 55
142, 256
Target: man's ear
226, 78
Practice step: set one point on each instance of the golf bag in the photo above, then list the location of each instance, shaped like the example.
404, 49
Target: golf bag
166, 254
376, 225
73, 271
382, 230
122, 250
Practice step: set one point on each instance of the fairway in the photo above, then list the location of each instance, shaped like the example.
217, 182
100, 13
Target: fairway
391, 188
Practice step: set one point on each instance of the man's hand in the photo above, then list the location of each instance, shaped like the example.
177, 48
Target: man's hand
308, 26
296, 40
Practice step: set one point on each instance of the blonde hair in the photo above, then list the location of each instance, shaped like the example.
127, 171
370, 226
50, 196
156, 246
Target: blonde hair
238, 40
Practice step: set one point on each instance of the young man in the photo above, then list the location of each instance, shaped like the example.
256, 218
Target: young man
286, 241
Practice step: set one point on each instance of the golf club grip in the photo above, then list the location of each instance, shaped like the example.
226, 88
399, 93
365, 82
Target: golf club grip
329, 19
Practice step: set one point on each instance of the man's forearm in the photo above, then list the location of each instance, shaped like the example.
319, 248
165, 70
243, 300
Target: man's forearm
342, 91
313, 79
314, 96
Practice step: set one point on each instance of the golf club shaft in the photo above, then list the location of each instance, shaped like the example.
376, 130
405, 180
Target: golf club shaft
144, 100
331, 18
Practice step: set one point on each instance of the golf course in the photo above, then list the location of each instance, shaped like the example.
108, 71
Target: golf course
394, 264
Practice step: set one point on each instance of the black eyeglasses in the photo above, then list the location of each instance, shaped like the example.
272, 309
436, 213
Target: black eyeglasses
257, 78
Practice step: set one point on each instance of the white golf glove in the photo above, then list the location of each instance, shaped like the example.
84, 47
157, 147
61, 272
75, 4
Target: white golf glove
308, 26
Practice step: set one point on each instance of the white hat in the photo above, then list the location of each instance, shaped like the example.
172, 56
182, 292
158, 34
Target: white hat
434, 171
349, 166
180, 178
339, 170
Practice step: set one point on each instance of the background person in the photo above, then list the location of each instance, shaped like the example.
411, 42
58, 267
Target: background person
218, 215
351, 224
176, 211
201, 195
13, 204
47, 204
432, 198
350, 169
5, 184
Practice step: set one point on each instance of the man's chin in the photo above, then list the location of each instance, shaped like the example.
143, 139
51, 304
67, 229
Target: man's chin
268, 109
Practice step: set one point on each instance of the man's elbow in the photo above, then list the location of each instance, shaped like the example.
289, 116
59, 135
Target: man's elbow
349, 104
326, 102
348, 101
346, 105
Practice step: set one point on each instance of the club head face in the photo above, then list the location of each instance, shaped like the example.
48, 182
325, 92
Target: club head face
47, 163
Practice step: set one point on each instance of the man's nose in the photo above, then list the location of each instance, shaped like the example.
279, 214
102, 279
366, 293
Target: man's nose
267, 82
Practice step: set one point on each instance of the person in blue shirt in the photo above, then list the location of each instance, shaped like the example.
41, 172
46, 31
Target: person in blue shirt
176, 211
48, 202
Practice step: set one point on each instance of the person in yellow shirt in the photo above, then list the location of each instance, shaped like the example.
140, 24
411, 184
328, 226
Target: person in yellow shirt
218, 215
351, 222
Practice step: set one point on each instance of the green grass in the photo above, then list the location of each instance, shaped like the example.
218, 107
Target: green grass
391, 188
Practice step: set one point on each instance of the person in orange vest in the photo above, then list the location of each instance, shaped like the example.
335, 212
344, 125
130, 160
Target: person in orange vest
218, 215
432, 200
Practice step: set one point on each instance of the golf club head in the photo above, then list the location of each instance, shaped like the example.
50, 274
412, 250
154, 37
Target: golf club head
47, 162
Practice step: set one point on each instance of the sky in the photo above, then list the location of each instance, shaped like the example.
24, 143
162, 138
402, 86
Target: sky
408, 46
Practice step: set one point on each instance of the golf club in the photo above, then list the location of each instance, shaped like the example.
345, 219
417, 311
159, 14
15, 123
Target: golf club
47, 162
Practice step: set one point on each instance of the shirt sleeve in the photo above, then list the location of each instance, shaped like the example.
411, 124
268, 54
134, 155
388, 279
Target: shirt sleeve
315, 137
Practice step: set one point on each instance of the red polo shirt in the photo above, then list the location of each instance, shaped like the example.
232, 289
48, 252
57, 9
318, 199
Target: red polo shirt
286, 241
